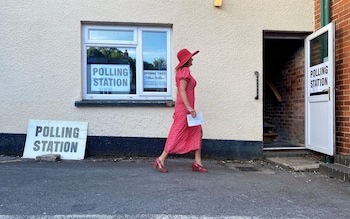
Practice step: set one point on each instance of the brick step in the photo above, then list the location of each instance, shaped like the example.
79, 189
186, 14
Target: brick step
270, 136
335, 170
342, 159
268, 126
288, 153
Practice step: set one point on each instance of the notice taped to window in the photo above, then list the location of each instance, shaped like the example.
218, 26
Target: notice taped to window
68, 139
318, 80
154, 79
113, 78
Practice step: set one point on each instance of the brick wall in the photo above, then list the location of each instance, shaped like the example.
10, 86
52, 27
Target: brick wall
340, 14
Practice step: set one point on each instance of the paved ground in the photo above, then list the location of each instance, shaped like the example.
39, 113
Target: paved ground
295, 163
131, 188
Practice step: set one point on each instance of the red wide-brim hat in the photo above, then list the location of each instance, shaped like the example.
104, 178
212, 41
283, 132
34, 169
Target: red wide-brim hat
183, 56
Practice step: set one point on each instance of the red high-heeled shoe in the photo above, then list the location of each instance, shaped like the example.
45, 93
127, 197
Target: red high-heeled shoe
158, 165
196, 166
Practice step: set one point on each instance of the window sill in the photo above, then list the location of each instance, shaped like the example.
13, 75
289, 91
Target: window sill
124, 103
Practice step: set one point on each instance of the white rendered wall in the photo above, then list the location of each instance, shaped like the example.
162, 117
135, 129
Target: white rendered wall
41, 61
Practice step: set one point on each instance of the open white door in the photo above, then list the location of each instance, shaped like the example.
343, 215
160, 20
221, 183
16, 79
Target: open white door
319, 91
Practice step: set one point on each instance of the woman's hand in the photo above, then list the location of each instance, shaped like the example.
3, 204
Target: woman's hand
193, 113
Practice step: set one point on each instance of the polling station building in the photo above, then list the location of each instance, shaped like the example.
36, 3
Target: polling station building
111, 64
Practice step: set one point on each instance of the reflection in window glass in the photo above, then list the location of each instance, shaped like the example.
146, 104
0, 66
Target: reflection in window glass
123, 35
154, 53
111, 70
319, 50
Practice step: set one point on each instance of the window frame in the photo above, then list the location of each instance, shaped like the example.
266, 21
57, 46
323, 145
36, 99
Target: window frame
136, 44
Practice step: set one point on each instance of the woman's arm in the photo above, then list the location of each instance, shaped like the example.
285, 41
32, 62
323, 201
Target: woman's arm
182, 90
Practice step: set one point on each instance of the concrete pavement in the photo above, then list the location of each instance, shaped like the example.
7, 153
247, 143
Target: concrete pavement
131, 188
302, 164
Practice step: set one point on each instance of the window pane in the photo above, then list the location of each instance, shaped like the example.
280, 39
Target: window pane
154, 53
319, 49
111, 70
124, 35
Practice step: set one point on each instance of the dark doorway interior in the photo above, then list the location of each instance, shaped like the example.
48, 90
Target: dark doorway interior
283, 84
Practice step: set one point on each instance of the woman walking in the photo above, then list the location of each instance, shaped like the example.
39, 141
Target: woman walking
183, 139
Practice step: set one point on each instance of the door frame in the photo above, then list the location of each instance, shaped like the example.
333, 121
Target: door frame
286, 42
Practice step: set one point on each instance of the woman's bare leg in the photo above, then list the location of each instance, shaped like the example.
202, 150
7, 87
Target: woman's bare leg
197, 153
163, 157
197, 156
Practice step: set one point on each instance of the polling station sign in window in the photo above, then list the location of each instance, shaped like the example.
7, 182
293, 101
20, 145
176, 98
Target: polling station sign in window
66, 138
318, 80
110, 78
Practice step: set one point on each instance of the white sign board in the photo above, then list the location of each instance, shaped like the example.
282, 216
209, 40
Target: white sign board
154, 79
110, 77
68, 139
318, 80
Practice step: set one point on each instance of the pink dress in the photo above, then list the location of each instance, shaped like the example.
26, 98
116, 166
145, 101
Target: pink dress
183, 139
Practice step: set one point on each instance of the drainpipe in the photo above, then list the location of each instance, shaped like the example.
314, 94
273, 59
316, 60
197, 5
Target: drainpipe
325, 19
325, 12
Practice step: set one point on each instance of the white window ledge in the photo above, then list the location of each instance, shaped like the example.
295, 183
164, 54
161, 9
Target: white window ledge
124, 103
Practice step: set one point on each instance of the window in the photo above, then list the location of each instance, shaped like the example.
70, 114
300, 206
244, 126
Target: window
126, 63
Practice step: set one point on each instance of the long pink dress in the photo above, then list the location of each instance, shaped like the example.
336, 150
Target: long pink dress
183, 139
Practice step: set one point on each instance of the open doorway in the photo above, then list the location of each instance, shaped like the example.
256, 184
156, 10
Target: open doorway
283, 89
